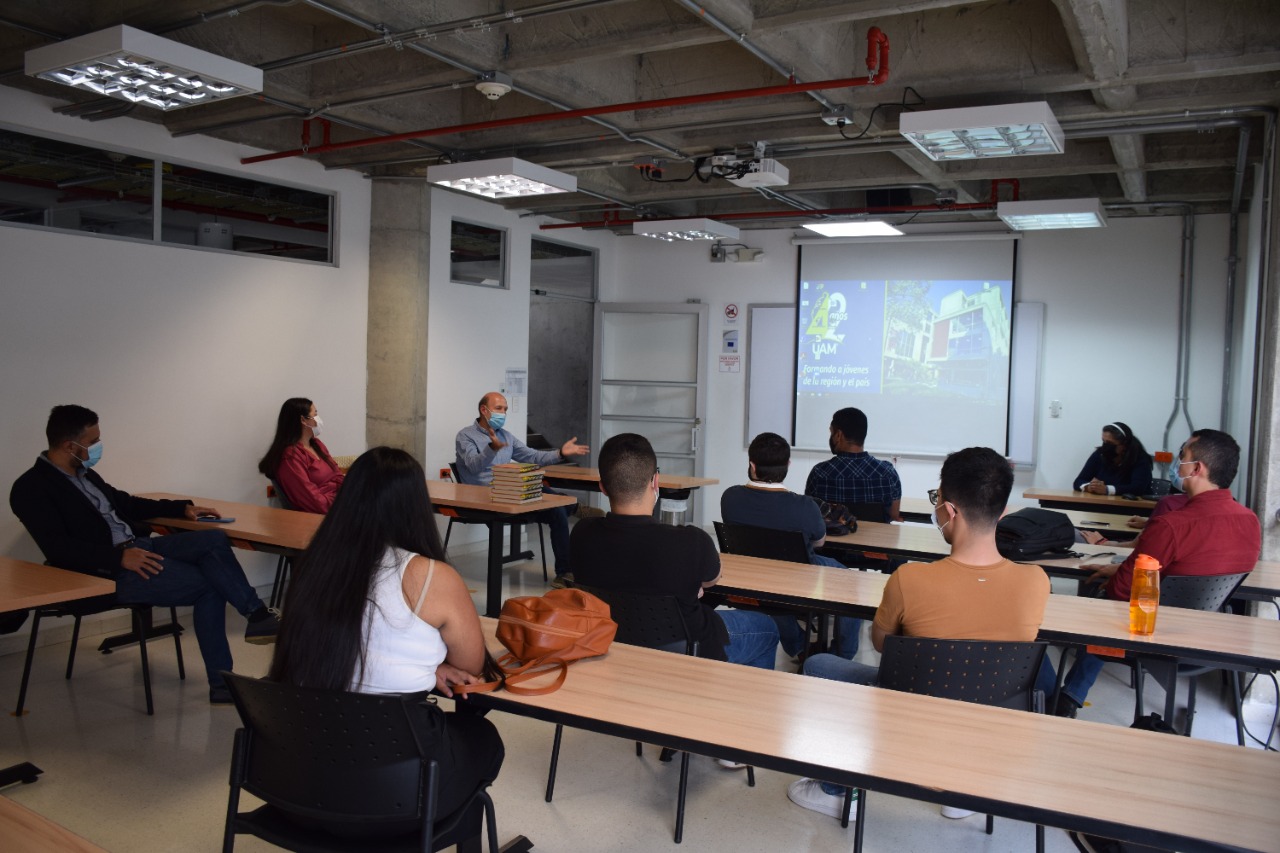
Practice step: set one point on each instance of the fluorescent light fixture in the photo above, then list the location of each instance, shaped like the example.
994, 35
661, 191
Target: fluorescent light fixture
1006, 130
136, 66
505, 177
1044, 215
671, 230
860, 228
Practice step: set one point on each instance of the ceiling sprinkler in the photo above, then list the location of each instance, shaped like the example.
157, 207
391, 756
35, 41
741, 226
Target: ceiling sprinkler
493, 84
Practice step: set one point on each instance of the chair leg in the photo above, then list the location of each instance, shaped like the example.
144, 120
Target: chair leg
1171, 694
71, 654
448, 531
491, 820
1238, 701
1039, 838
140, 626
277, 588
542, 549
1139, 680
26, 670
847, 807
684, 787
1191, 702
555, 761
751, 776
639, 750
177, 642
991, 824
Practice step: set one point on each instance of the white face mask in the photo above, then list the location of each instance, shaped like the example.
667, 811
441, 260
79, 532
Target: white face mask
933, 516
315, 430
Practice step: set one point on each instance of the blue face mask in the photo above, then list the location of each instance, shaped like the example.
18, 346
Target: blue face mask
497, 419
95, 453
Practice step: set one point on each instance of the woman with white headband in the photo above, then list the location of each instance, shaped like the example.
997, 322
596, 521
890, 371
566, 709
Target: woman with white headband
1118, 466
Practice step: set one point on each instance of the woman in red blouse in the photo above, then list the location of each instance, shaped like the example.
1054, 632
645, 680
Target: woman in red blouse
298, 462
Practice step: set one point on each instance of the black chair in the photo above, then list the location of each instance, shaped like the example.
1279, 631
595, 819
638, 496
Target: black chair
142, 628
340, 760
284, 562
462, 518
654, 622
978, 671
869, 512
751, 541
1194, 592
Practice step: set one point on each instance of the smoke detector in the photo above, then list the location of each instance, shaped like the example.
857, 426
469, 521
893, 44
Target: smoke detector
493, 84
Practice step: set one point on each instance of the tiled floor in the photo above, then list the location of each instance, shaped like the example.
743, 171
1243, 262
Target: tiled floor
135, 783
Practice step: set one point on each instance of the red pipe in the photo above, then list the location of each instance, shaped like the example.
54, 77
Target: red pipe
1012, 182
785, 214
877, 66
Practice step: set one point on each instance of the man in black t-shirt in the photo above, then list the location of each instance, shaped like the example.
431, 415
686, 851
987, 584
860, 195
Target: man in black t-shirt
630, 550
766, 502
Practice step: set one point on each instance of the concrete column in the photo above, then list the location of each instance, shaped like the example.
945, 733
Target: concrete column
1267, 424
399, 255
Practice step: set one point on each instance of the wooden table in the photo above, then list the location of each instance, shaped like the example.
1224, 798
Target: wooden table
671, 487
1227, 639
1108, 523
927, 544
24, 586
1071, 499
264, 528
1117, 782
24, 831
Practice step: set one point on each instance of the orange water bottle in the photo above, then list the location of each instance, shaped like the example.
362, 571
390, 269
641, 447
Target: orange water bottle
1144, 595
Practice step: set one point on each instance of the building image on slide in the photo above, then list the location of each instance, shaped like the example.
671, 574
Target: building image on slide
946, 338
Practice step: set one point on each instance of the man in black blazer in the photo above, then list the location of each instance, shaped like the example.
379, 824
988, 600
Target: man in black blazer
83, 524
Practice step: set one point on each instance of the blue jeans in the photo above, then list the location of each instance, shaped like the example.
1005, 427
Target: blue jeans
753, 637
557, 518
1083, 673
201, 571
836, 668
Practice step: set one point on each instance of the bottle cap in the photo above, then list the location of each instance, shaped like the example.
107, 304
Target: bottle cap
1146, 563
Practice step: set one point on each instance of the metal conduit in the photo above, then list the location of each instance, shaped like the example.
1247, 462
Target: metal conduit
741, 38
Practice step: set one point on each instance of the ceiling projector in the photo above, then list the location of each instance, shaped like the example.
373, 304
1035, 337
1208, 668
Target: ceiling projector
754, 172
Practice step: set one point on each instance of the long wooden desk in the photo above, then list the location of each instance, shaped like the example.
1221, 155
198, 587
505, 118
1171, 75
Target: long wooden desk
927, 544
1117, 782
577, 477
291, 531
1108, 523
1071, 499
24, 831
1241, 641
23, 586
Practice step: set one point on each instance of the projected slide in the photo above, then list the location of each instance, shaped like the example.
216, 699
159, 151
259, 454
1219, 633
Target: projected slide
927, 359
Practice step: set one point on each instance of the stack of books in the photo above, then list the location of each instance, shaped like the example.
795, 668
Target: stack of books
517, 482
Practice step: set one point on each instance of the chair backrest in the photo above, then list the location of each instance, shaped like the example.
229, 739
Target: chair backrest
869, 512
453, 468
645, 619
280, 495
1198, 592
332, 756
751, 541
979, 671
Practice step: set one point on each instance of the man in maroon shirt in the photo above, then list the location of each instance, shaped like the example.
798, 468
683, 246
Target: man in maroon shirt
1211, 535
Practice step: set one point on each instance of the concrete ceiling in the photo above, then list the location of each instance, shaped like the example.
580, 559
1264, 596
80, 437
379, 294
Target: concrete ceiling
1156, 96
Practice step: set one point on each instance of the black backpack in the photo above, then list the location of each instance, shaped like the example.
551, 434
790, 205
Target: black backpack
1031, 534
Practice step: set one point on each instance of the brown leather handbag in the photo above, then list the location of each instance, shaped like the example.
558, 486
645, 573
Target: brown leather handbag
544, 634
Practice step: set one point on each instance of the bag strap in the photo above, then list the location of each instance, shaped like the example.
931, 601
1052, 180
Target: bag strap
516, 672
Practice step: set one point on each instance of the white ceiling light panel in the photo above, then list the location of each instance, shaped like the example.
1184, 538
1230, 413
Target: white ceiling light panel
972, 133
505, 177
671, 230
1047, 215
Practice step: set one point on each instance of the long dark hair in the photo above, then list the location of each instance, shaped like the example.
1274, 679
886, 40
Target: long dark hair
289, 433
382, 503
1134, 452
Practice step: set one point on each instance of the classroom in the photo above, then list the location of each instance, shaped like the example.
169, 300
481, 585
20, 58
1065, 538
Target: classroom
187, 352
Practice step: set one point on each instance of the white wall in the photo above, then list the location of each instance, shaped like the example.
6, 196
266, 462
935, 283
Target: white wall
185, 354
1108, 347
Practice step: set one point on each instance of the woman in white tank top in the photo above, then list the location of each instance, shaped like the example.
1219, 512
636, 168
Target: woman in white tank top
374, 609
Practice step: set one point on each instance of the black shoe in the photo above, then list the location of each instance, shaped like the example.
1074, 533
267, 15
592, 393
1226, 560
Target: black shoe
263, 631
220, 696
1067, 707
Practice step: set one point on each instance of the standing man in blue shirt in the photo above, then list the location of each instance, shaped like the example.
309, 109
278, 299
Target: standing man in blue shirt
855, 476
485, 443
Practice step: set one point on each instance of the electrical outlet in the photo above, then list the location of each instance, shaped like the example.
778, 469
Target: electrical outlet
841, 115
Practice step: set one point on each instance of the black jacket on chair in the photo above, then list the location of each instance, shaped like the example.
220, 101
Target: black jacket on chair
66, 525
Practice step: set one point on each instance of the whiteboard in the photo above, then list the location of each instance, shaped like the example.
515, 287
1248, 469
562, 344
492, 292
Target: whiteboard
771, 358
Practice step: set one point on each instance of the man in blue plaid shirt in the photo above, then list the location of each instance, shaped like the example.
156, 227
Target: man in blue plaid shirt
854, 476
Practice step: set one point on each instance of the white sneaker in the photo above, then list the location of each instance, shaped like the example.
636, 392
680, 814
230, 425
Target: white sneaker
808, 794
729, 764
955, 813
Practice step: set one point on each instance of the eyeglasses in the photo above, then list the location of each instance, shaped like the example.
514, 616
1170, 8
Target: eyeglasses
933, 497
